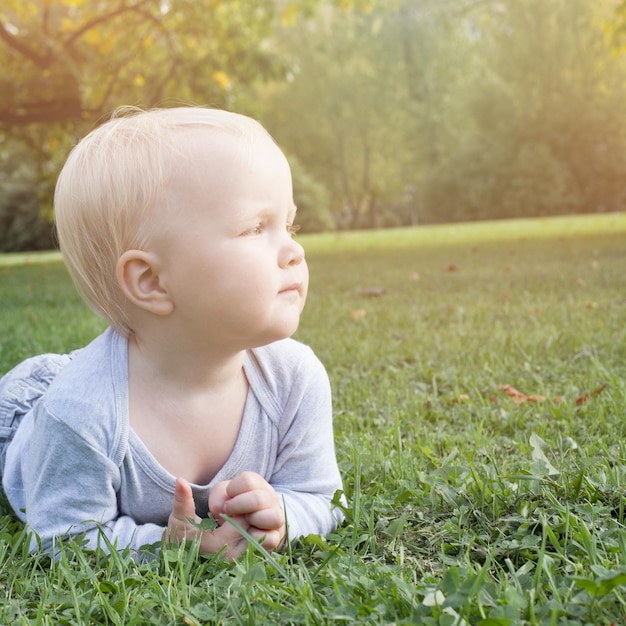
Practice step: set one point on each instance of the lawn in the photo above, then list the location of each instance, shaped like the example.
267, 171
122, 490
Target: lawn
479, 378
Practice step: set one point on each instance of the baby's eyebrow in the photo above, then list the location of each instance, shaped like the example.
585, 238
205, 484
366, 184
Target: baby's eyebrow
265, 213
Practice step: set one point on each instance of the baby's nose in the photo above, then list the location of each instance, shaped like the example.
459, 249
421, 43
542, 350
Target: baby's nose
291, 254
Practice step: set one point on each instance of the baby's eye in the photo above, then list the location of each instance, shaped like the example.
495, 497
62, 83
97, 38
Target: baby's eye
292, 229
251, 232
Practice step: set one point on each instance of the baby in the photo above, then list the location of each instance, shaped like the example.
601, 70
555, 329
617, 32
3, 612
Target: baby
177, 227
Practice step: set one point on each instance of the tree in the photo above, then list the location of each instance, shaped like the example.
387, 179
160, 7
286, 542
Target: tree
542, 130
365, 109
340, 113
68, 63
311, 198
72, 60
21, 224
445, 110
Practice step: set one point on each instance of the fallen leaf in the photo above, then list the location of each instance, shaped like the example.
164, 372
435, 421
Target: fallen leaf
414, 276
587, 396
358, 314
511, 391
535, 398
518, 397
452, 268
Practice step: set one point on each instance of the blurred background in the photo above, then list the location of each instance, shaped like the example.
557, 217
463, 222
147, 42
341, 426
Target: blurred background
391, 112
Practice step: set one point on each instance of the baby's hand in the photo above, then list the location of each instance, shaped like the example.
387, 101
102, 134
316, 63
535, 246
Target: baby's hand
180, 528
250, 496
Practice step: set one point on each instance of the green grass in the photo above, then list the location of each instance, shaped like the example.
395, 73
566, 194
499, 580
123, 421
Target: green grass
465, 507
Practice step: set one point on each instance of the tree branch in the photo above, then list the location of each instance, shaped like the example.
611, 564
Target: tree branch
18, 45
101, 19
46, 113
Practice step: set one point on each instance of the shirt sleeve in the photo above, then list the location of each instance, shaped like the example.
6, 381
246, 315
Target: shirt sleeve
306, 475
72, 489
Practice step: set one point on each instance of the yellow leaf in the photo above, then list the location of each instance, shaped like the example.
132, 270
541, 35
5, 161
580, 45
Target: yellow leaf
140, 81
289, 14
67, 25
93, 37
221, 78
106, 46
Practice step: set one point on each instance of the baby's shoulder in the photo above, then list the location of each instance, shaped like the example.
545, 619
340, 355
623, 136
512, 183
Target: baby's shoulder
27, 382
281, 372
89, 394
92, 371
289, 382
285, 360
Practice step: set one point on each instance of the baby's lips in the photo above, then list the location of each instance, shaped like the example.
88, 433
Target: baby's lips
295, 286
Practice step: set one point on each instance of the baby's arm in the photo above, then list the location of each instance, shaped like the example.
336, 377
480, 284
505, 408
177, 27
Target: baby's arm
69, 488
304, 474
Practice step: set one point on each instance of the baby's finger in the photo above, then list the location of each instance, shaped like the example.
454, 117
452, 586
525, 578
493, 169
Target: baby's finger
250, 502
183, 505
267, 519
269, 539
217, 498
183, 509
246, 481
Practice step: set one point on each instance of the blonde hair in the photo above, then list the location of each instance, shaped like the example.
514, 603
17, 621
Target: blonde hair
109, 184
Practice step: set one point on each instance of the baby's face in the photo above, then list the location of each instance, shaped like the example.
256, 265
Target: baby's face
237, 276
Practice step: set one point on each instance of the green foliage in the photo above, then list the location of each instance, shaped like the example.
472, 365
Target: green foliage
22, 226
67, 62
465, 506
452, 111
24, 195
400, 112
66, 65
311, 198
542, 135
485, 181
343, 111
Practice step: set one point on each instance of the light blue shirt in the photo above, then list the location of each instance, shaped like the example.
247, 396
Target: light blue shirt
75, 465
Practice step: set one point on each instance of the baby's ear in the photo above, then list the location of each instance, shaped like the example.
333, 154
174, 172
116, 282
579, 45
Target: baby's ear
138, 277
